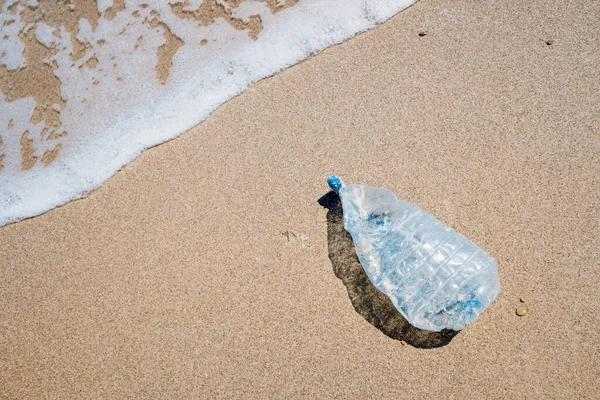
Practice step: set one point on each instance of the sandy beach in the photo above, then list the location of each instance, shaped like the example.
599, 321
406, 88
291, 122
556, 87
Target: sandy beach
216, 265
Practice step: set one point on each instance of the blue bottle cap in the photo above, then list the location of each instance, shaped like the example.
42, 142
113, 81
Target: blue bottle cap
335, 183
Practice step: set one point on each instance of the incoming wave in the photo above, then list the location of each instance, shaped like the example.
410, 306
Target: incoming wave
86, 86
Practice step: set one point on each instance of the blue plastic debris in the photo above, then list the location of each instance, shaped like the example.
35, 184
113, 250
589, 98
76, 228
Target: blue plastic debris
435, 277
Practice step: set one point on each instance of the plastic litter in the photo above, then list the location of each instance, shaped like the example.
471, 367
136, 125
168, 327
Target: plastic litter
435, 277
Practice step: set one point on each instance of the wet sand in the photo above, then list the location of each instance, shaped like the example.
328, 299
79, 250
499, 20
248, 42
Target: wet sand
215, 265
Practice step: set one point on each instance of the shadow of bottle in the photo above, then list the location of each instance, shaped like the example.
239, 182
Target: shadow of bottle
368, 301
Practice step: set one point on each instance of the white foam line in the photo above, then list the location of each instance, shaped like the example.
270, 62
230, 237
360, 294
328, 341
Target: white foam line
127, 110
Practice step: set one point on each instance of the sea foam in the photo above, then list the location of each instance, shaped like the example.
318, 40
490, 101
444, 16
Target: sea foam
84, 90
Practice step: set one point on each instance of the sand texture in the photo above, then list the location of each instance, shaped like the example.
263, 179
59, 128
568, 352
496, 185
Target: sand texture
216, 265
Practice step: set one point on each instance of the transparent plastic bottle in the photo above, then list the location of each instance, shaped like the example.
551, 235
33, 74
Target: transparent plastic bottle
435, 277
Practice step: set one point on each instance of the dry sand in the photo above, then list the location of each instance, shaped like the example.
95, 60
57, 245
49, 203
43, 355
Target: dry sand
208, 268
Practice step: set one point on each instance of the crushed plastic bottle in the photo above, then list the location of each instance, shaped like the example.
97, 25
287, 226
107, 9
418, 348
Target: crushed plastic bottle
435, 277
